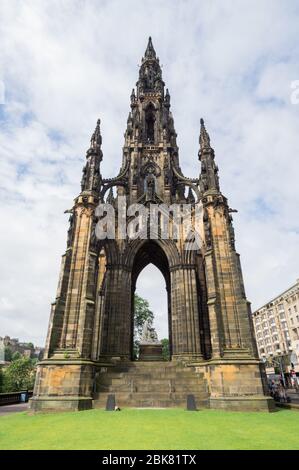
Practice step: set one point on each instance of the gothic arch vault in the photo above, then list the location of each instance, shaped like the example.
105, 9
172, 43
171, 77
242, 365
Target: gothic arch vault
151, 252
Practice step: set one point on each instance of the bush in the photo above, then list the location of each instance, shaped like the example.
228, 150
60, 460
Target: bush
19, 375
1, 380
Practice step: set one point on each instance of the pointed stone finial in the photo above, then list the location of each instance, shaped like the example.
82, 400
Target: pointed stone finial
150, 52
110, 198
204, 138
167, 97
96, 138
133, 96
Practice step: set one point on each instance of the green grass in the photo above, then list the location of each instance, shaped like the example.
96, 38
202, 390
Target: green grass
151, 429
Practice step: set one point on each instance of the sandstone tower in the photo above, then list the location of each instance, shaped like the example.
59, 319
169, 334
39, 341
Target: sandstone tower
90, 334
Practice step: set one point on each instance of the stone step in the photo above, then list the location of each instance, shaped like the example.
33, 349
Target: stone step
181, 375
166, 388
158, 366
151, 380
143, 395
163, 400
150, 384
148, 364
111, 380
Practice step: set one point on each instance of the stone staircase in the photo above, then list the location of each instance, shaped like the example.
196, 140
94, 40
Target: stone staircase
151, 384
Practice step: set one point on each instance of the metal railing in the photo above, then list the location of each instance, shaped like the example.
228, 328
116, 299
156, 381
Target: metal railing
15, 397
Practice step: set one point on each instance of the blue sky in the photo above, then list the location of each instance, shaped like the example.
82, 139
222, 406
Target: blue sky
65, 63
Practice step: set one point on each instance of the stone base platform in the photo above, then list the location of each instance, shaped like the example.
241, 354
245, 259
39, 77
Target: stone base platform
150, 352
50, 404
151, 384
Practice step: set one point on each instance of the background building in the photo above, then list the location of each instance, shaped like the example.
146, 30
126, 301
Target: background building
13, 345
276, 327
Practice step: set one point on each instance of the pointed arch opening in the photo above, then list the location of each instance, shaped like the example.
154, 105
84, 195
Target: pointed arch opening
151, 266
150, 123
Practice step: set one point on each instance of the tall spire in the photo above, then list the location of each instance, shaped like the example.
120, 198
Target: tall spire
91, 177
150, 73
204, 138
209, 171
150, 52
96, 138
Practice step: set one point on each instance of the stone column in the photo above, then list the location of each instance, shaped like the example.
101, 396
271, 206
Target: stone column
116, 336
65, 377
184, 313
234, 371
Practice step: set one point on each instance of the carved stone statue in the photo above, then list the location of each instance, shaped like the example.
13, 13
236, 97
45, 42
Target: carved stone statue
149, 334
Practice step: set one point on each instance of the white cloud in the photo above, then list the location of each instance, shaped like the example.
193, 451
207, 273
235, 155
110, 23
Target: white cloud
64, 64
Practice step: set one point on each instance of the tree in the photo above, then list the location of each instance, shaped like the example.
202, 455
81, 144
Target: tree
1, 380
7, 354
142, 313
16, 355
165, 349
19, 375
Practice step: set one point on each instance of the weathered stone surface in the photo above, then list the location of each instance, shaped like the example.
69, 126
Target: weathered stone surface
91, 322
156, 384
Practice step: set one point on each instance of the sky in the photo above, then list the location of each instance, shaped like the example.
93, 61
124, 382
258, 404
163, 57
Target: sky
64, 64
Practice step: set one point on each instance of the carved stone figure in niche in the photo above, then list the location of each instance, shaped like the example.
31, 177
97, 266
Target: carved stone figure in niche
150, 184
70, 232
93, 238
207, 229
83, 180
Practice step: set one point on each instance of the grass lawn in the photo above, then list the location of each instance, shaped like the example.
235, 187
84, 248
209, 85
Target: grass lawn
151, 429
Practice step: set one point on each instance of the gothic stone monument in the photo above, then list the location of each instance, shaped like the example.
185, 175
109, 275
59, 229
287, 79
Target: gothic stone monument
90, 338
